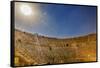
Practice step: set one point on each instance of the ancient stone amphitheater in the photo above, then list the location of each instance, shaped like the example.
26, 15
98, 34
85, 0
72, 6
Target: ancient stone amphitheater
33, 49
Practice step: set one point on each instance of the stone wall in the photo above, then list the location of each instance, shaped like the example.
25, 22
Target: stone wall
39, 50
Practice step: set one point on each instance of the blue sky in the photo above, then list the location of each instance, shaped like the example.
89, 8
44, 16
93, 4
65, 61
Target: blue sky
63, 21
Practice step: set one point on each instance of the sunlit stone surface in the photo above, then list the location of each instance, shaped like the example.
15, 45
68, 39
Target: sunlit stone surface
39, 50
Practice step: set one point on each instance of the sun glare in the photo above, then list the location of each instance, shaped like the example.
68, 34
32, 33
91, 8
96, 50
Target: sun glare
28, 13
26, 9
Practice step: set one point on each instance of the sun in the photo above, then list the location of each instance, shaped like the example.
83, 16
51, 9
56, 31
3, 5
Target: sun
26, 10
28, 13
